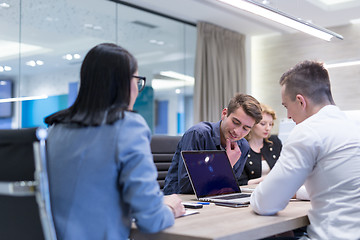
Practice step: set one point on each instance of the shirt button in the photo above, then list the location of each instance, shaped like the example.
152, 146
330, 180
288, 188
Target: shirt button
251, 163
252, 172
274, 156
271, 149
248, 155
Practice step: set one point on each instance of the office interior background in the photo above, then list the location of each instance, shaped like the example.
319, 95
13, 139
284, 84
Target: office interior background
43, 43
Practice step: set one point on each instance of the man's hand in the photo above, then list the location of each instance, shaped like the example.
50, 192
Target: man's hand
233, 152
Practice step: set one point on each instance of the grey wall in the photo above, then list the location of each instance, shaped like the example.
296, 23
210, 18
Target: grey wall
273, 55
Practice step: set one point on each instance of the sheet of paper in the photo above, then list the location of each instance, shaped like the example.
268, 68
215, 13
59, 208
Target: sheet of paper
190, 212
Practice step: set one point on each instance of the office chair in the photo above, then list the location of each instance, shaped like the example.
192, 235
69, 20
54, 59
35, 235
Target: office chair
24, 191
163, 148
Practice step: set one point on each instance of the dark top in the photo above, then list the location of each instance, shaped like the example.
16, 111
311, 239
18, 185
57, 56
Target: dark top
202, 136
253, 167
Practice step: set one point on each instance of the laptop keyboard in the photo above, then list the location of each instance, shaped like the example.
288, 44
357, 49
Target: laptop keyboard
240, 195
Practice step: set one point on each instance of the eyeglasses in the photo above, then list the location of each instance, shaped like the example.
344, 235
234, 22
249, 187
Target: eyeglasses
141, 82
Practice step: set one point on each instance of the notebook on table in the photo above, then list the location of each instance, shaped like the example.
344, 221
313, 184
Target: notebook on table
212, 177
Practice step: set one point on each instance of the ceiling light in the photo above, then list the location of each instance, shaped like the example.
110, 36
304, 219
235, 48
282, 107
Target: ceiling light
342, 64
334, 2
4, 5
158, 42
22, 99
7, 68
98, 28
283, 18
68, 57
355, 21
176, 75
161, 84
31, 63
12, 48
88, 25
39, 62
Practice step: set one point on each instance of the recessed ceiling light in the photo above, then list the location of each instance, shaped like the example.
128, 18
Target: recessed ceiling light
98, 28
4, 5
51, 19
88, 25
31, 63
154, 41
7, 68
39, 62
68, 57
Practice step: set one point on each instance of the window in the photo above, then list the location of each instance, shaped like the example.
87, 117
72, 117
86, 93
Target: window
55, 36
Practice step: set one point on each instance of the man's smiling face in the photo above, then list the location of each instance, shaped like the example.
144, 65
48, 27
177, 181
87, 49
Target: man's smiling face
235, 126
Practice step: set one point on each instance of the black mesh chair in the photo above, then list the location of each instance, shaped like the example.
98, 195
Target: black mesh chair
25, 211
163, 148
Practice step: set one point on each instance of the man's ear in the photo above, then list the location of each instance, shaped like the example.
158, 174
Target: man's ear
223, 113
301, 100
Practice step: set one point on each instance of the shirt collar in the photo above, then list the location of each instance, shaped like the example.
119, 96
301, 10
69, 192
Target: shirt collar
216, 133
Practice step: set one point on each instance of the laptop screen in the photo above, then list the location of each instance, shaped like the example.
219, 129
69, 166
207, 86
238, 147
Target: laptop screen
210, 173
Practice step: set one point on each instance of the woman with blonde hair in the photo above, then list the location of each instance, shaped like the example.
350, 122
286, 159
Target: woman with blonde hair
264, 149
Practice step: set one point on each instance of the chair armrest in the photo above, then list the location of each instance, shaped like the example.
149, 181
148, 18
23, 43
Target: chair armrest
21, 188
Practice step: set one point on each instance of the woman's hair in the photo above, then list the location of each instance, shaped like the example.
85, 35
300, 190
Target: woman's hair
249, 104
265, 109
104, 93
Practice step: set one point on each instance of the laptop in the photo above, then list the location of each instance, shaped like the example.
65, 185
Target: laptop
212, 177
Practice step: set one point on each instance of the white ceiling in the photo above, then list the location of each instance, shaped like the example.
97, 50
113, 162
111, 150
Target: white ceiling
58, 27
316, 11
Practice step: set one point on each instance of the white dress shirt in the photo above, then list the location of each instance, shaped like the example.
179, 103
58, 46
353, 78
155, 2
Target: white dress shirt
324, 153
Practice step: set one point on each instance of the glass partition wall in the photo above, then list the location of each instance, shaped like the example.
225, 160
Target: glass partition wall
43, 43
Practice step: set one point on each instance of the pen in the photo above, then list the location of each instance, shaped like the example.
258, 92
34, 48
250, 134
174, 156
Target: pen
203, 203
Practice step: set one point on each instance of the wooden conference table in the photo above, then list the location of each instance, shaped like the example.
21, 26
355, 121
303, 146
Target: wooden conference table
220, 223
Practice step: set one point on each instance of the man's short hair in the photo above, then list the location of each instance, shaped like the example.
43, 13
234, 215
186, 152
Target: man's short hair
310, 79
249, 104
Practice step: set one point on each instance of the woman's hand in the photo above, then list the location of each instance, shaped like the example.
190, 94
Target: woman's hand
256, 180
174, 202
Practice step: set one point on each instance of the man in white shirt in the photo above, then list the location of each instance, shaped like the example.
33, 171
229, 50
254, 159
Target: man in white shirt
322, 152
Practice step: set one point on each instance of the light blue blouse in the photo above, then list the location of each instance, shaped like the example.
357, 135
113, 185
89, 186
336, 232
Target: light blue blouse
103, 177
